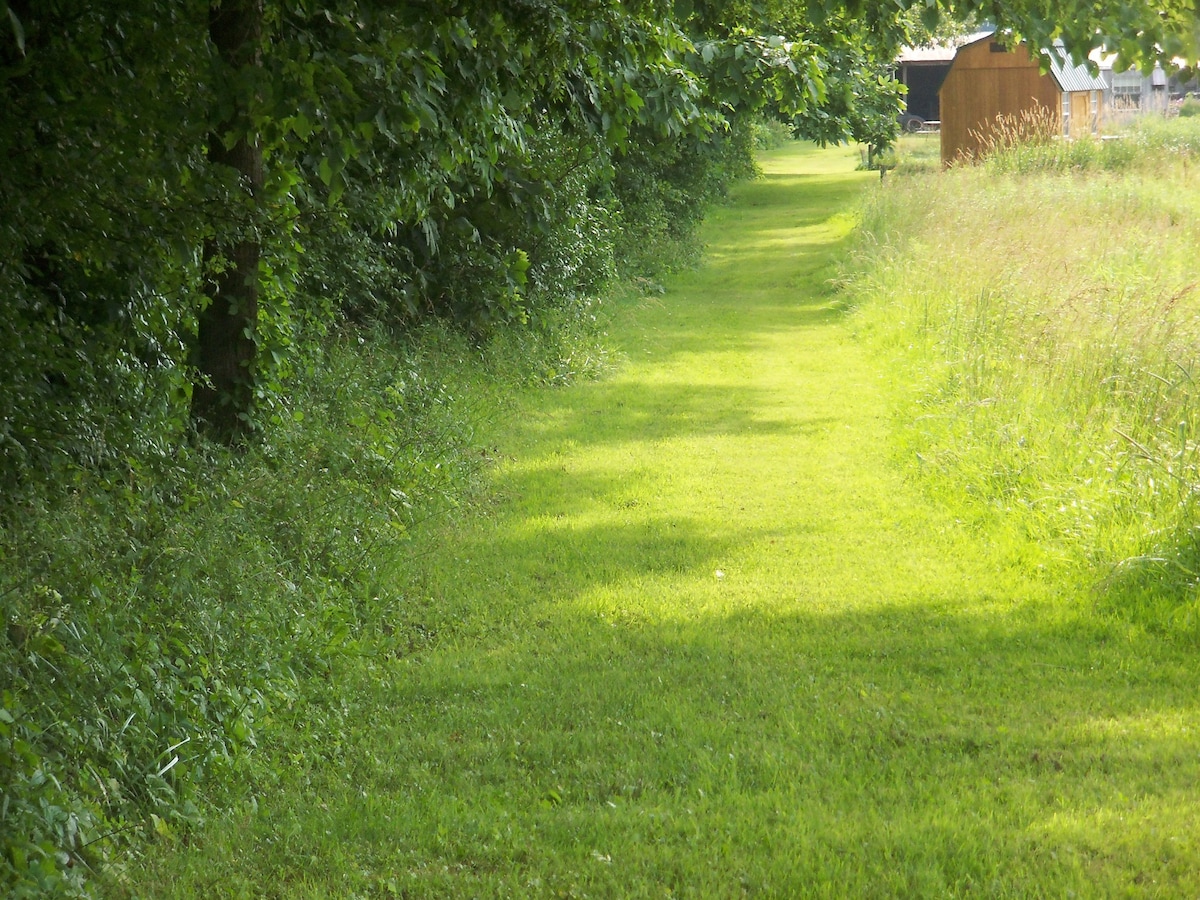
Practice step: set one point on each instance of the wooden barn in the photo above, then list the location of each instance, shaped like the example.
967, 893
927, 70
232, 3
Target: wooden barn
989, 79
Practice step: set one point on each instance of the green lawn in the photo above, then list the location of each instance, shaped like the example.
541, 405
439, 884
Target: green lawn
710, 638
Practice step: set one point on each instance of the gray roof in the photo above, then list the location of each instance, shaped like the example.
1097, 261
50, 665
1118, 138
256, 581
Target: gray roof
1071, 76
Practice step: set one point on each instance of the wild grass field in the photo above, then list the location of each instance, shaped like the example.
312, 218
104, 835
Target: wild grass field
1046, 308
839, 583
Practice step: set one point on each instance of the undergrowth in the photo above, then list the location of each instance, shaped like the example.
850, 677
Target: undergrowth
163, 619
705, 640
1050, 321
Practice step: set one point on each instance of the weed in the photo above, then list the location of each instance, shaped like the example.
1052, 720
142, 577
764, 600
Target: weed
1049, 325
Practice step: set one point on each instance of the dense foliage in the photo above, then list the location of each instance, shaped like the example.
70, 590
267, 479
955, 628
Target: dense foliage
160, 617
200, 198
198, 187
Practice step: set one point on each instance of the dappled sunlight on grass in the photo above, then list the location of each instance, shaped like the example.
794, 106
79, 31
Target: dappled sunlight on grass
709, 640
1158, 724
882, 752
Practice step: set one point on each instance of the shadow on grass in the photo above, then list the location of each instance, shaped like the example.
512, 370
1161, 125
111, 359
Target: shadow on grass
891, 752
608, 412
908, 748
810, 196
765, 272
1053, 694
895, 752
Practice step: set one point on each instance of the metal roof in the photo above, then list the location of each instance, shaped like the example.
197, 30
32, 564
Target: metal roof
1070, 75
927, 55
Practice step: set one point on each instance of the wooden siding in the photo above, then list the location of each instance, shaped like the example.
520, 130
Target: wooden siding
983, 85
1078, 122
1084, 121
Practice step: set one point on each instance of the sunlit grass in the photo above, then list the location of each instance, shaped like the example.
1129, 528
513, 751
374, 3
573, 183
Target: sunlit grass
709, 638
1048, 325
918, 154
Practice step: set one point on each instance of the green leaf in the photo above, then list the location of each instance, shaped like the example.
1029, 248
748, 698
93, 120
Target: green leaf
337, 187
18, 29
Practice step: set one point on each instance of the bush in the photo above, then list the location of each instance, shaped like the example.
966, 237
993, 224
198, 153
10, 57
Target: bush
770, 134
158, 619
660, 196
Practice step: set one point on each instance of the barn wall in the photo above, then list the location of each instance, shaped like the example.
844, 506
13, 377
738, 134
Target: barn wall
1081, 115
983, 85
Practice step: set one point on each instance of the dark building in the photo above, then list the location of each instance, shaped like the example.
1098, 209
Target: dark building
922, 70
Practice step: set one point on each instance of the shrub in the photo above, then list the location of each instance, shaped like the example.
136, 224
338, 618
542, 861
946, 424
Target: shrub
770, 134
157, 618
660, 195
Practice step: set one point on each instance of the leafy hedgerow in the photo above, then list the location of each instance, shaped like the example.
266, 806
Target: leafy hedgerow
155, 619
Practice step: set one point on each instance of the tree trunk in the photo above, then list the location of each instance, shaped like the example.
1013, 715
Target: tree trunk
223, 397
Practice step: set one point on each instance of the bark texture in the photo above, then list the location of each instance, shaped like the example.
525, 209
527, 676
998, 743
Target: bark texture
223, 397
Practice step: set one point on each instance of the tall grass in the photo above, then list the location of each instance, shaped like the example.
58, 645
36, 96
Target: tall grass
1031, 142
164, 620
1050, 326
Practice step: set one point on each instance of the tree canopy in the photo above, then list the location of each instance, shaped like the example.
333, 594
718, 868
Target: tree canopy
196, 188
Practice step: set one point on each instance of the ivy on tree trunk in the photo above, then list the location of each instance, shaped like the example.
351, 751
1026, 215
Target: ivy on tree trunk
223, 396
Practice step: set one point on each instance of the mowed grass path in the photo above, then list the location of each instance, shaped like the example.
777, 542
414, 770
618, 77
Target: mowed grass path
711, 639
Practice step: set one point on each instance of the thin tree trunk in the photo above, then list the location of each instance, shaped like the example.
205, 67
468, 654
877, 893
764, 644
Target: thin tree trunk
223, 397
